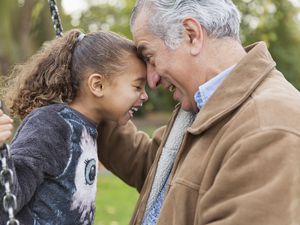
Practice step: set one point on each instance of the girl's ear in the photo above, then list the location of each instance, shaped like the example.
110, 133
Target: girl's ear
96, 84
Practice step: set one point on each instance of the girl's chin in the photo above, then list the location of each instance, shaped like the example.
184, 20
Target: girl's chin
125, 119
123, 122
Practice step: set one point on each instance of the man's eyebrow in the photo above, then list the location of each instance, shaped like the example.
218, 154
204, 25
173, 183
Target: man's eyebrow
140, 50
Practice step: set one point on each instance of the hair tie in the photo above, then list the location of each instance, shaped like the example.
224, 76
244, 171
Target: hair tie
81, 36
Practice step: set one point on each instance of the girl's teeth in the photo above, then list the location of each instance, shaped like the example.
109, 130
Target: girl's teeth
133, 110
131, 113
172, 88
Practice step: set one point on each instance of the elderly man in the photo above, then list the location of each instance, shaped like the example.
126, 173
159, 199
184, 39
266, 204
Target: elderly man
230, 154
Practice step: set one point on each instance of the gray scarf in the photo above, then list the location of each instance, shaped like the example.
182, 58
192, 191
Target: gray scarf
183, 120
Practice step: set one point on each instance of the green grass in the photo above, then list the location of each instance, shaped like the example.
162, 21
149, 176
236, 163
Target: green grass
115, 201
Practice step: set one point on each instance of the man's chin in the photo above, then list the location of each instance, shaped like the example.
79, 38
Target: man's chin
188, 107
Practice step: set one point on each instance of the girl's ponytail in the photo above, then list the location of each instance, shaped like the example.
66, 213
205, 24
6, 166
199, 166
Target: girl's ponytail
45, 78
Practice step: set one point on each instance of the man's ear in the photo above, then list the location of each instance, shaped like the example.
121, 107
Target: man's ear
96, 83
195, 34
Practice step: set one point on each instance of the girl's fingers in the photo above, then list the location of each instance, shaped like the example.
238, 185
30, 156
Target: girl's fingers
5, 119
4, 136
6, 127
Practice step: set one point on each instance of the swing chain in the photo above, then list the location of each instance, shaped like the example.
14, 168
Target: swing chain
6, 174
55, 18
6, 179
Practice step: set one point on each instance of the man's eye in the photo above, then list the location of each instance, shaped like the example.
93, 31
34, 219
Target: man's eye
148, 59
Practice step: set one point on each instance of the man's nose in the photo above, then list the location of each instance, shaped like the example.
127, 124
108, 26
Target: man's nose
153, 78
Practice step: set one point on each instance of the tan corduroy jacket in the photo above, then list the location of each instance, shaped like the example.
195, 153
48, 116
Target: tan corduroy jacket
239, 162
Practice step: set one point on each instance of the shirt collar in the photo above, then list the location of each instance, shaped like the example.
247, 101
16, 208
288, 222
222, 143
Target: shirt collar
208, 88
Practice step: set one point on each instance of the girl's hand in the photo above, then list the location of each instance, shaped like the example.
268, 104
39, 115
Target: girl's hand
6, 126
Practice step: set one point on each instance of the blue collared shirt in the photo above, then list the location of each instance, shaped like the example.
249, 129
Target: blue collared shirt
207, 89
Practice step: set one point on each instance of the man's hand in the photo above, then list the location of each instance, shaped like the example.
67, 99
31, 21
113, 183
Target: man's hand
6, 126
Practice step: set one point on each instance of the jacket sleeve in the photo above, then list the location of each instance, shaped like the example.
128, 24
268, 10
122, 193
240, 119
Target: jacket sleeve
258, 183
38, 151
127, 152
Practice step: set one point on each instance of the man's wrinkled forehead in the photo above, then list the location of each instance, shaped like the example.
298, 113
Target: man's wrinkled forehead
140, 27
141, 7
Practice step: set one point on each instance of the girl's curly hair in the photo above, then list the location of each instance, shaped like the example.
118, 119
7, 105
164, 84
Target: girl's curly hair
55, 72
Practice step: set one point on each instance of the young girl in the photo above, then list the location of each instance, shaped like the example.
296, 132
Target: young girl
63, 92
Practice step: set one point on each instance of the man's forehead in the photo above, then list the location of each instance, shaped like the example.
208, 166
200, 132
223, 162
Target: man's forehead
141, 39
140, 25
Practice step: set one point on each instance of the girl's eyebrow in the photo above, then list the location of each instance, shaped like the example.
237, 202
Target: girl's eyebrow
140, 78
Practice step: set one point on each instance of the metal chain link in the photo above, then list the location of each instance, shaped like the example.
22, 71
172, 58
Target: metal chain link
6, 180
6, 174
55, 18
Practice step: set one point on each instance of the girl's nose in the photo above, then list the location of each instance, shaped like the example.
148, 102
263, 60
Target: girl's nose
144, 96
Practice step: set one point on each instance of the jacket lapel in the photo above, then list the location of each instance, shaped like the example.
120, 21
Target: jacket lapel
236, 87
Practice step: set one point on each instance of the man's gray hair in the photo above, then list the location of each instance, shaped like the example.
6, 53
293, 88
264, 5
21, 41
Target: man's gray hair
220, 18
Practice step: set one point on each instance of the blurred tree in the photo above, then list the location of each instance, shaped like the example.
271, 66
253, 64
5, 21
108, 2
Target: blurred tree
276, 23
108, 17
7, 50
25, 25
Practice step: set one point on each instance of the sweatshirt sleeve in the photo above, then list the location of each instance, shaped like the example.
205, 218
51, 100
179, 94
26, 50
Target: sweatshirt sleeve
258, 183
38, 151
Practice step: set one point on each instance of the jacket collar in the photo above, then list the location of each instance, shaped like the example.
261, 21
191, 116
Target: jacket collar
236, 87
